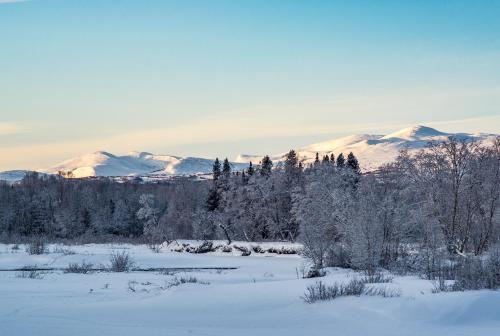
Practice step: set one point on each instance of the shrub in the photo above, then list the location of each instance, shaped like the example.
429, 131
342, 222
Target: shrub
227, 248
156, 248
83, 268
30, 272
474, 273
355, 287
121, 262
177, 281
377, 277
382, 291
37, 246
440, 285
63, 250
321, 292
469, 273
338, 256
257, 249
205, 247
314, 273
282, 250
244, 251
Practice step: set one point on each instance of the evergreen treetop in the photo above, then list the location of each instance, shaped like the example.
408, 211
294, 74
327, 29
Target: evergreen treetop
352, 162
340, 161
216, 169
266, 166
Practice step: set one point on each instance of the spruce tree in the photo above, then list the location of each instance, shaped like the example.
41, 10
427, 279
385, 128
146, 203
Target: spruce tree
266, 166
292, 166
326, 159
226, 169
216, 169
213, 199
340, 161
86, 219
316, 160
250, 170
332, 159
244, 178
291, 160
353, 163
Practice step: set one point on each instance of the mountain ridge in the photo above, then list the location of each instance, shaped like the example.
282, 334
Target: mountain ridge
372, 150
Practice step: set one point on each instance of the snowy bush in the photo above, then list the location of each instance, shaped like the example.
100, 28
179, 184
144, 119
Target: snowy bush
469, 273
356, 287
37, 246
177, 281
63, 250
321, 292
475, 273
121, 262
226, 248
377, 277
244, 251
314, 273
156, 248
205, 247
83, 268
30, 272
257, 249
382, 291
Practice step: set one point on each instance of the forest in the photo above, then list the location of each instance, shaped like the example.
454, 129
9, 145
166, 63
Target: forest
421, 213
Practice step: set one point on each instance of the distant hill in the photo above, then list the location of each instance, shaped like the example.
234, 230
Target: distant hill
374, 150
371, 150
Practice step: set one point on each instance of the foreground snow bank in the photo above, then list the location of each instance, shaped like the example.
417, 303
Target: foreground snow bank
260, 297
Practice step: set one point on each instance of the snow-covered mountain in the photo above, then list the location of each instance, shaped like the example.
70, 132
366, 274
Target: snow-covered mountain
12, 176
135, 163
371, 150
374, 150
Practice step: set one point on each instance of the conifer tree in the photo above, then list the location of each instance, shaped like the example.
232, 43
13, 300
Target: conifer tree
216, 169
316, 160
340, 161
226, 169
291, 161
213, 199
326, 159
251, 169
266, 166
353, 163
244, 178
332, 159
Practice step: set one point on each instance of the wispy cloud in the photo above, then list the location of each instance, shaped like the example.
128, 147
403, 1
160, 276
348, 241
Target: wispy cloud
10, 128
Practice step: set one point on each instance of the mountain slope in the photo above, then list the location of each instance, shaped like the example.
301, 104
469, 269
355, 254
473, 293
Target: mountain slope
371, 150
12, 176
374, 150
135, 163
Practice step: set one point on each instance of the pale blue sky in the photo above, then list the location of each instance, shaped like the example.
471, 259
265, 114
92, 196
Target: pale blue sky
217, 78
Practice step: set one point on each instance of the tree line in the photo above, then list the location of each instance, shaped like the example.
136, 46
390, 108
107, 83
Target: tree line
442, 200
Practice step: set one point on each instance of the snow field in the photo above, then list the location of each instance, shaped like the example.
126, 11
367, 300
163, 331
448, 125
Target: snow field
260, 297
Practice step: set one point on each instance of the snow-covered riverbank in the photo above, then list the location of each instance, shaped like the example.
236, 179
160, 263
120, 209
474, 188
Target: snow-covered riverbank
262, 296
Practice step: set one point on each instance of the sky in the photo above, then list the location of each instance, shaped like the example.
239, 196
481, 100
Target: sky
219, 78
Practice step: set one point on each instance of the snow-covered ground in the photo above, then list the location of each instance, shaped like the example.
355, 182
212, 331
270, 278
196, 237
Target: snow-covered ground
261, 297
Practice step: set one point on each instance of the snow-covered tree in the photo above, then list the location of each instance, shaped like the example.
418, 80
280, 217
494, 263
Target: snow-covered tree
148, 213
